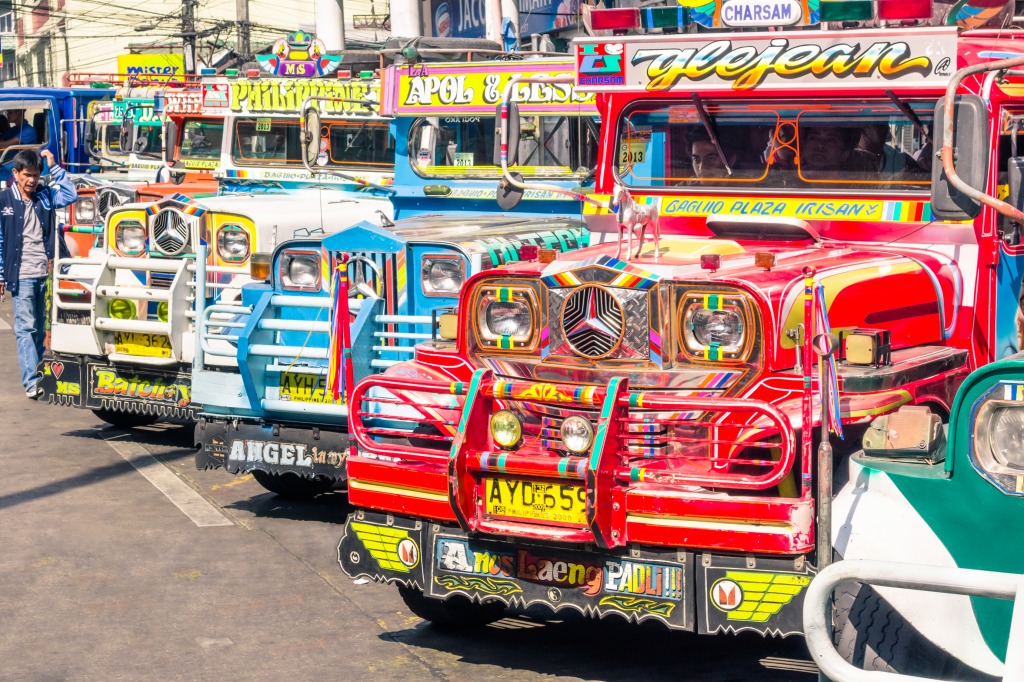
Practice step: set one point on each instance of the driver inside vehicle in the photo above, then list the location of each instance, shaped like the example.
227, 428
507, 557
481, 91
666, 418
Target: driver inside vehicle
827, 148
705, 158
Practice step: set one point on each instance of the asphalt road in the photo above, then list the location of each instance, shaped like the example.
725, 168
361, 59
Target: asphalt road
118, 560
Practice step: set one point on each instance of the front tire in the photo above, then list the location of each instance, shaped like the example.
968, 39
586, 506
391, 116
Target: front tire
871, 635
454, 613
125, 420
292, 486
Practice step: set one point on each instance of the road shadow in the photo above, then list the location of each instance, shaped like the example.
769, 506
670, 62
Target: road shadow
577, 646
90, 476
331, 507
164, 434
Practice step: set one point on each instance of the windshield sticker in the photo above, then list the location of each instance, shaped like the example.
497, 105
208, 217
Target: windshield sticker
449, 89
844, 60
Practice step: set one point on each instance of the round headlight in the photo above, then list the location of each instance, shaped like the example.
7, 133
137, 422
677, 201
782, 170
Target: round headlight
442, 275
577, 434
130, 238
161, 311
1007, 436
121, 309
505, 429
302, 271
85, 210
720, 327
233, 243
508, 318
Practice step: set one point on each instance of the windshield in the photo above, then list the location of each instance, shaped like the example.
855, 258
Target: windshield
550, 147
260, 141
851, 145
200, 140
147, 139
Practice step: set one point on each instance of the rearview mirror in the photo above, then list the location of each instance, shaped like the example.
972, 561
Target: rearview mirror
511, 136
1015, 179
170, 140
970, 158
126, 135
311, 134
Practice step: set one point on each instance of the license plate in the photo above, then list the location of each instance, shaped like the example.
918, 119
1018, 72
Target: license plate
138, 343
533, 501
307, 388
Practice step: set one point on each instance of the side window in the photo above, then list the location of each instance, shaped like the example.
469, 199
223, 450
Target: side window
27, 126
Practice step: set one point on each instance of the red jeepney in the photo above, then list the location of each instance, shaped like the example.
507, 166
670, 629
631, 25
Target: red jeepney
650, 432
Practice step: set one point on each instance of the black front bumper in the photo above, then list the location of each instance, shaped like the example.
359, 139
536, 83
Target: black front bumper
684, 590
242, 447
94, 383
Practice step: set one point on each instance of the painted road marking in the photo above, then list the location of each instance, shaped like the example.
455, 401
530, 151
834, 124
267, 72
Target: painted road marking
191, 503
3, 325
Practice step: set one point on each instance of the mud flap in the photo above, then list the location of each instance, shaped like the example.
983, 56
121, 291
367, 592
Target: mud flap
61, 380
635, 584
246, 446
764, 595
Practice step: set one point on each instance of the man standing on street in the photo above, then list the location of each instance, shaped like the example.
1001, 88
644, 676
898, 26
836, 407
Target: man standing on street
27, 235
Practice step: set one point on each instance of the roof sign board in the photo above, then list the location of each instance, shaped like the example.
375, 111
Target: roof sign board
475, 89
300, 55
917, 58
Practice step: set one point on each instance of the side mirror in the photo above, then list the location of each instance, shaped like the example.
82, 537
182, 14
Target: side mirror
170, 140
970, 158
512, 136
126, 135
311, 134
90, 136
1015, 179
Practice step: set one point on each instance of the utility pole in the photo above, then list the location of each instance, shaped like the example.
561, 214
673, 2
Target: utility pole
188, 33
242, 10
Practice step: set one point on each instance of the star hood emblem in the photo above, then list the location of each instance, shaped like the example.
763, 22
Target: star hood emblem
593, 321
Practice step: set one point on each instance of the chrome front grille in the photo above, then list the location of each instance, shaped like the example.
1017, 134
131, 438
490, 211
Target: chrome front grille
171, 232
107, 199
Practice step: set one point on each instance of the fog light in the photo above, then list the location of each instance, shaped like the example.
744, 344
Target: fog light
506, 429
448, 326
161, 311
121, 309
577, 435
866, 347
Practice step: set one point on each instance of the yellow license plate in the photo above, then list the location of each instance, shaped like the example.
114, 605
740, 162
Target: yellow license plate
137, 343
307, 388
533, 501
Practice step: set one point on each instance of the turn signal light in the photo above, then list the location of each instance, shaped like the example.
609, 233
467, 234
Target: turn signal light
904, 9
711, 261
846, 10
615, 19
664, 17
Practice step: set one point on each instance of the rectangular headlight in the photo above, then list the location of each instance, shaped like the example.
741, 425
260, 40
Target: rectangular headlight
442, 275
715, 326
506, 318
299, 270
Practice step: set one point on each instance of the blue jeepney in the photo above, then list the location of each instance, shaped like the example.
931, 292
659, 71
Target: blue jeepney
263, 377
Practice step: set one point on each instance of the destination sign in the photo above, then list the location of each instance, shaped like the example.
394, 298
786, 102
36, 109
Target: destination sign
921, 58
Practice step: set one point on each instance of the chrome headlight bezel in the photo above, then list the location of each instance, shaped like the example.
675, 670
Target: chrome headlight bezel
85, 210
490, 302
456, 272
137, 231
233, 243
288, 274
699, 309
990, 448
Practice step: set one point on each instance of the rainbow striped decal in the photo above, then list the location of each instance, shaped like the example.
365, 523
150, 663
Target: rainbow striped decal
716, 381
545, 347
1013, 391
562, 279
401, 278
907, 211
655, 346
457, 388
325, 266
502, 389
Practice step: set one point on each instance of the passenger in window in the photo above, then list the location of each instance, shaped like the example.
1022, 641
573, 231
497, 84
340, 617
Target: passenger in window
5, 127
19, 131
874, 154
706, 161
828, 148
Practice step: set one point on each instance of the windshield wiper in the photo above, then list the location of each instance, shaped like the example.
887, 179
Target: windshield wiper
710, 129
909, 113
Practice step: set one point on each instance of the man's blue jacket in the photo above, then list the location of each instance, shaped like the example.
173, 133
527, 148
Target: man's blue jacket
12, 222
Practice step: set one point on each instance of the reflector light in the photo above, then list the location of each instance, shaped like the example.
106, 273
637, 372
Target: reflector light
366, 74
710, 261
547, 256
615, 19
231, 73
846, 10
764, 259
904, 9
207, 72
664, 17
529, 252
252, 73
344, 74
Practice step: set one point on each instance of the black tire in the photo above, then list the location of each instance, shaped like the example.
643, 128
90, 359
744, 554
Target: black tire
454, 613
292, 486
125, 420
871, 635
